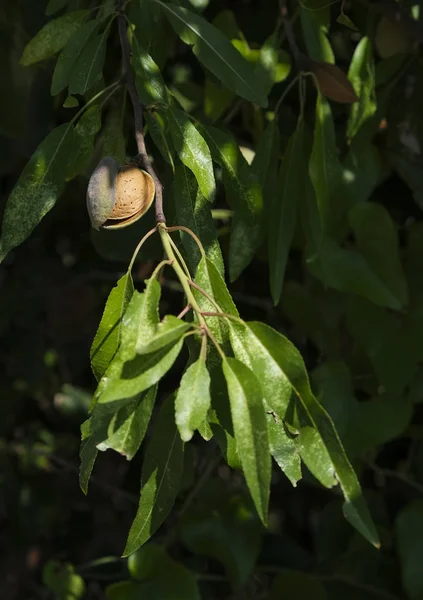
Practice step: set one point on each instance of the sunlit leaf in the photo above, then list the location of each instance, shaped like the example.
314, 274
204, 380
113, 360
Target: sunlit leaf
167, 331
192, 399
283, 449
250, 428
362, 75
52, 37
107, 338
38, 187
315, 26
193, 151
320, 435
216, 53
150, 85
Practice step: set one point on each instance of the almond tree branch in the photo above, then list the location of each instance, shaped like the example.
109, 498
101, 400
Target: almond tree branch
289, 31
138, 112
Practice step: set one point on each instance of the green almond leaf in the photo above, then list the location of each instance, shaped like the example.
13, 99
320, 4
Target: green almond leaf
168, 331
315, 25
192, 399
158, 131
193, 151
209, 279
65, 66
55, 5
88, 67
161, 478
284, 208
348, 271
193, 211
129, 424
250, 427
409, 534
148, 316
324, 167
362, 75
264, 359
283, 449
216, 53
136, 375
242, 187
377, 240
93, 432
149, 82
52, 37
85, 131
363, 169
38, 187
324, 433
247, 237
107, 338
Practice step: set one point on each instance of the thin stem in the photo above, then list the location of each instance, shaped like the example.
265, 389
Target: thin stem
180, 273
184, 311
203, 351
285, 93
180, 258
191, 233
160, 266
138, 248
143, 157
289, 30
114, 85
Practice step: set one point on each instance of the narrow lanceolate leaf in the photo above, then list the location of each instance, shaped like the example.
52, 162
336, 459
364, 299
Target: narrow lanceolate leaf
216, 53
129, 424
284, 208
85, 131
332, 82
107, 338
324, 167
283, 449
128, 374
193, 151
362, 75
88, 67
68, 58
250, 427
52, 37
348, 271
377, 241
168, 331
38, 187
161, 477
192, 399
193, 211
148, 316
209, 280
315, 25
149, 81
242, 187
333, 458
264, 359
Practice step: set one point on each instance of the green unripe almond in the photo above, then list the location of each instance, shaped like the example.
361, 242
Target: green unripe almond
117, 197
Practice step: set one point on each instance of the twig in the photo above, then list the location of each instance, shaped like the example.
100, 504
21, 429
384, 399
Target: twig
396, 475
138, 112
289, 31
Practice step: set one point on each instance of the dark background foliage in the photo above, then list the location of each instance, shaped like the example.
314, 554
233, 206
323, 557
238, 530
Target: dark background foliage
365, 365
